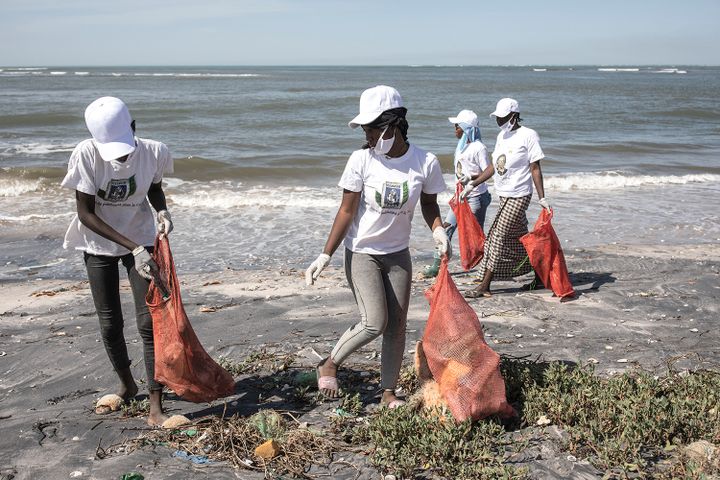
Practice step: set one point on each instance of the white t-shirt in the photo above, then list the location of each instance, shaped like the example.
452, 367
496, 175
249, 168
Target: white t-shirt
120, 191
390, 189
513, 154
472, 161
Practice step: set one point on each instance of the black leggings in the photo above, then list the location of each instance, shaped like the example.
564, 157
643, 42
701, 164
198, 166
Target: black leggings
103, 274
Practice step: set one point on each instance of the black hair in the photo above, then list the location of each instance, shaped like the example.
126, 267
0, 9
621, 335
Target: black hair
394, 117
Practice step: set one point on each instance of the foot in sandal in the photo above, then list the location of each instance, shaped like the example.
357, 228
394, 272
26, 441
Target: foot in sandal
477, 292
327, 378
390, 400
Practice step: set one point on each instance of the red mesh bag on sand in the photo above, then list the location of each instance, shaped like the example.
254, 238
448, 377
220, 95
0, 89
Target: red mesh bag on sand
546, 256
470, 234
464, 366
181, 362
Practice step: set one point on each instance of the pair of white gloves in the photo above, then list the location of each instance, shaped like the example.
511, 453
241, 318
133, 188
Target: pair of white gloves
442, 243
144, 264
469, 187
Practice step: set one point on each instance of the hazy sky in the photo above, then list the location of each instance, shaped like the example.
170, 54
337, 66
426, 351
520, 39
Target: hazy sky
371, 32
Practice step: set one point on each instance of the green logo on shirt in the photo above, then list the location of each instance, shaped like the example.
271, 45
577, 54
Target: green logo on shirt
394, 195
118, 189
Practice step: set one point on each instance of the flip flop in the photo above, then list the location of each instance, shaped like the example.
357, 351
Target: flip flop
109, 403
475, 293
395, 404
327, 382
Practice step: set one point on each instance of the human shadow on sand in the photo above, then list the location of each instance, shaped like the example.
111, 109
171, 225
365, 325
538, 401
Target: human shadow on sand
293, 390
583, 283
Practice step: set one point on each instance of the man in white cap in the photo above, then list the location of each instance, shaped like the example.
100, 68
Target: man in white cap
117, 177
382, 184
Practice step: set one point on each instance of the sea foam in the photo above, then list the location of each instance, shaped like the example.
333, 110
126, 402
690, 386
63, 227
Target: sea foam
613, 180
17, 187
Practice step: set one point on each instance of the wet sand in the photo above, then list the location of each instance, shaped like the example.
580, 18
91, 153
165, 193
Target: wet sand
645, 305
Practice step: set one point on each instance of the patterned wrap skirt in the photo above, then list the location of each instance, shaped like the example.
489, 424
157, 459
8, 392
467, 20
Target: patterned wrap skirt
504, 255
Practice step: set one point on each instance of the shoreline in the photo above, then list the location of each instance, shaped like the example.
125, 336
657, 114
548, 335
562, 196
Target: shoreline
645, 306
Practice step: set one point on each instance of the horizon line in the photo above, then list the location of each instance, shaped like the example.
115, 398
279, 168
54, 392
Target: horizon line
413, 65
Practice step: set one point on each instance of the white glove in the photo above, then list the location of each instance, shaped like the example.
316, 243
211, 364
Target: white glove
465, 179
545, 204
466, 191
313, 271
165, 224
442, 242
144, 264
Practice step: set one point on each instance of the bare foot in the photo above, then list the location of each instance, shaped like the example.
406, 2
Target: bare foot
156, 419
327, 378
128, 392
128, 388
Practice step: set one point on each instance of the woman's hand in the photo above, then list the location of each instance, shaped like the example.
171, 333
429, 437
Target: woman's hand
313, 271
442, 242
164, 222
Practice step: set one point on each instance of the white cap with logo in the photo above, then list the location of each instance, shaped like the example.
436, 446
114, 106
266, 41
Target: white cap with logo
108, 120
373, 102
466, 116
504, 107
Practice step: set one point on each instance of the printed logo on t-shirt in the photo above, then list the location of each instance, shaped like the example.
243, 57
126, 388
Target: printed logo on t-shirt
394, 195
458, 170
501, 165
118, 189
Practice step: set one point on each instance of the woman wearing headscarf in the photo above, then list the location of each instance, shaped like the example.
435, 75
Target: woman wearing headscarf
471, 160
515, 169
382, 184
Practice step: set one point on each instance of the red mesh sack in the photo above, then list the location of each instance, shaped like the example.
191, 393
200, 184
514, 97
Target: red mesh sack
470, 234
546, 256
181, 362
464, 366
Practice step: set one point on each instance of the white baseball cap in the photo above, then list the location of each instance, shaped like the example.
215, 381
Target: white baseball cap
466, 116
504, 107
373, 102
108, 120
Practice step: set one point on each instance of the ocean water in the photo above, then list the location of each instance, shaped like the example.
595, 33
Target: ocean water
633, 154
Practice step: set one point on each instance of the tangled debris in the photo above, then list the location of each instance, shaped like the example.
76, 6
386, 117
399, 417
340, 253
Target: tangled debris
630, 425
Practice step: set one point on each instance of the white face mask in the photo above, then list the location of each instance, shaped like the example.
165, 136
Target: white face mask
507, 126
383, 145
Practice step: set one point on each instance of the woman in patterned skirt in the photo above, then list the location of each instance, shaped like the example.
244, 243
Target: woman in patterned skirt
515, 169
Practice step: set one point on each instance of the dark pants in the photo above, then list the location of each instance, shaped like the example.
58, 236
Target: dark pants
104, 277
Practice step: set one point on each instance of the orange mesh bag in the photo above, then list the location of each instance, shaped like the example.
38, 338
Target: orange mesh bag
464, 366
181, 362
470, 234
546, 256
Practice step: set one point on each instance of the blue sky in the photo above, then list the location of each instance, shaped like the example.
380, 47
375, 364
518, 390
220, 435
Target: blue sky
371, 32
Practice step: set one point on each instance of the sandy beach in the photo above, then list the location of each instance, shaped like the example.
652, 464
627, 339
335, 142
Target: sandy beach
637, 305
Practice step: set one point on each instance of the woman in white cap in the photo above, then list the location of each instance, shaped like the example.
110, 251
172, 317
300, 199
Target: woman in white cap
471, 160
515, 169
382, 183
117, 177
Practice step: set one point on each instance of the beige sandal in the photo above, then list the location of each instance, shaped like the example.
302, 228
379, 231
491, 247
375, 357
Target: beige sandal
109, 403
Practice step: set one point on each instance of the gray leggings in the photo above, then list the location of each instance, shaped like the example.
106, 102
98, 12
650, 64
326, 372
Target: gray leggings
381, 286
104, 276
